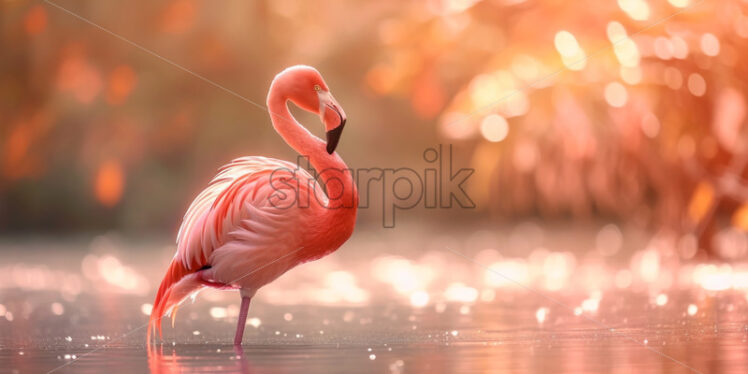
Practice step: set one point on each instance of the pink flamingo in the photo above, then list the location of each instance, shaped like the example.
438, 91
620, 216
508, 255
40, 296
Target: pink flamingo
260, 217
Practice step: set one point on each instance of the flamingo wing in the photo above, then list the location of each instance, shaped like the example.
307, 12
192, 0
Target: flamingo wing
241, 196
246, 208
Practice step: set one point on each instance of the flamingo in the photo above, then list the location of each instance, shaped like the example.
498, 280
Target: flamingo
260, 217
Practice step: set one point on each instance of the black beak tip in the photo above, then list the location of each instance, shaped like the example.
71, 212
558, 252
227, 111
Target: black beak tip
333, 137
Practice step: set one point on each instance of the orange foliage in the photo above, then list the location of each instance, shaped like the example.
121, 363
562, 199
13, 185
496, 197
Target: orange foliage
18, 144
701, 201
380, 79
109, 183
121, 83
80, 78
18, 159
428, 96
740, 218
36, 20
15, 152
178, 17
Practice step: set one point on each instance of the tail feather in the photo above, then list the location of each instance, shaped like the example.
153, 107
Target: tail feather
178, 283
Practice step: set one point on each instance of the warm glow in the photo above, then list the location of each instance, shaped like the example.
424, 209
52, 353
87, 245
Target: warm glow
457, 6
650, 125
146, 309
623, 278
673, 78
627, 52
419, 299
709, 44
636, 9
591, 304
36, 20
615, 31
526, 67
557, 267
178, 17
701, 201
494, 128
541, 314
679, 3
631, 75
740, 218
663, 48
402, 274
646, 264
680, 47
692, 309
109, 183
121, 83
506, 273
456, 126
461, 293
571, 53
254, 322
218, 312
713, 278
661, 299
696, 84
566, 44
80, 78
615, 94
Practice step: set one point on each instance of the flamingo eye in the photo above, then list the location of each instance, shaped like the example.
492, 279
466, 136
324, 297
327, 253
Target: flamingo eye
317, 87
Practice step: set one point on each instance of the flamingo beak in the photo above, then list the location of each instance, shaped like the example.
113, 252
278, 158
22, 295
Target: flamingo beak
333, 116
333, 136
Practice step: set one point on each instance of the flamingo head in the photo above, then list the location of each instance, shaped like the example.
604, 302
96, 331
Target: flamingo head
309, 91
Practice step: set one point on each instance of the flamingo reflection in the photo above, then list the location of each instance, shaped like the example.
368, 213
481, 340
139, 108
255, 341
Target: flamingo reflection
169, 361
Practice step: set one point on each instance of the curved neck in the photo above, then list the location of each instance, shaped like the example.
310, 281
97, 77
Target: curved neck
333, 172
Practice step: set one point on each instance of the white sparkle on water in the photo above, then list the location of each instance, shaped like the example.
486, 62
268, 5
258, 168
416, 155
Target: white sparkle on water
419, 299
146, 309
692, 309
541, 314
218, 312
661, 299
254, 322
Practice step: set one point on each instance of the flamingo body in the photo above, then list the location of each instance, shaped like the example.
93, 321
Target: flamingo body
260, 217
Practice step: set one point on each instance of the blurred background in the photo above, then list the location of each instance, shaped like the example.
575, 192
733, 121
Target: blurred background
596, 114
608, 140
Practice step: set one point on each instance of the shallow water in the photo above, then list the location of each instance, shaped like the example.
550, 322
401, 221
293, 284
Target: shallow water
81, 306
496, 337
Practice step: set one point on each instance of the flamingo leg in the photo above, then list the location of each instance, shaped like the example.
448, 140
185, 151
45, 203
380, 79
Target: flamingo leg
242, 320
